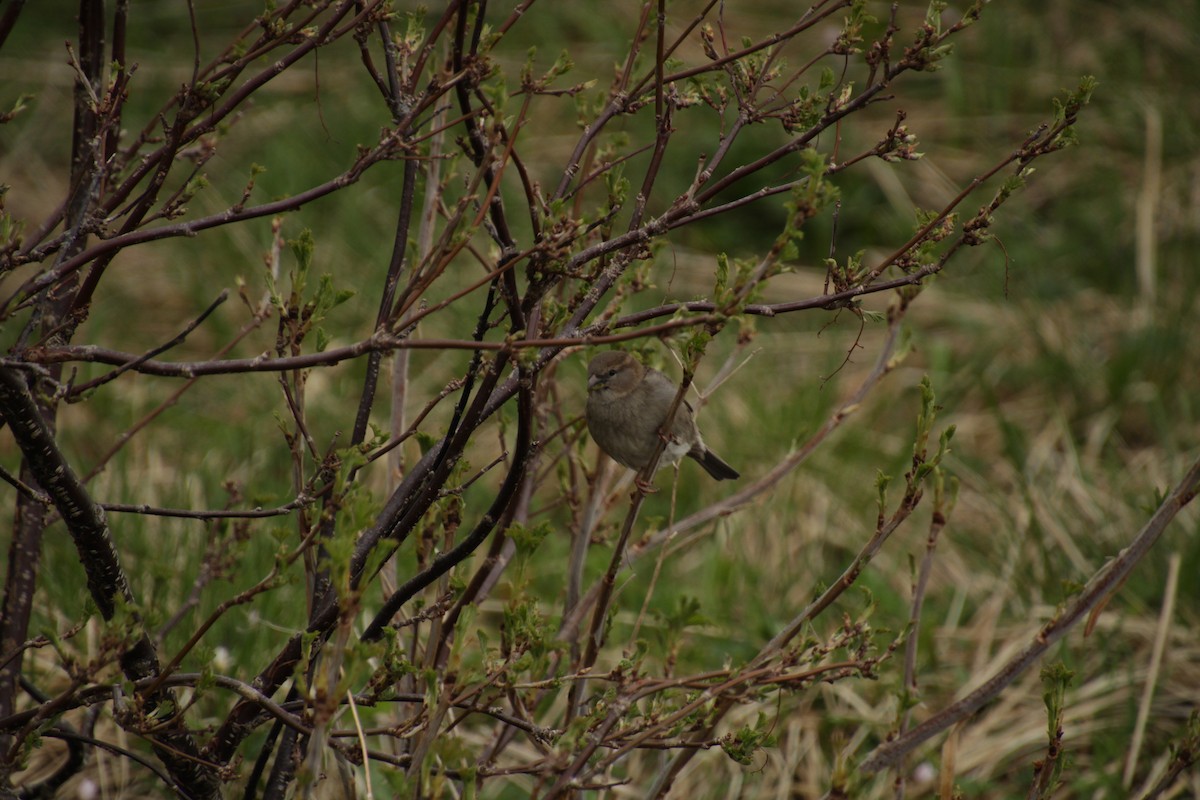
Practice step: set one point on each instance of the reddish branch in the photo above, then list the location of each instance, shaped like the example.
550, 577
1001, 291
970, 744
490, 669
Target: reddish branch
383, 342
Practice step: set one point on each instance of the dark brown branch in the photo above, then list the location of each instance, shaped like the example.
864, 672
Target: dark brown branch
105, 578
85, 521
387, 297
408, 503
9, 20
192, 227
444, 562
585, 337
187, 513
454, 556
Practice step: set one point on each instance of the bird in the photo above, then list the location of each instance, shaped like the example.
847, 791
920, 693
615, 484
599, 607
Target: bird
627, 405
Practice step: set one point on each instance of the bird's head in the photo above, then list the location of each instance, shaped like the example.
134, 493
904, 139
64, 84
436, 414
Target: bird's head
614, 371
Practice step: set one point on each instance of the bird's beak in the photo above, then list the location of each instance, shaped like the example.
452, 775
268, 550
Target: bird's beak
595, 382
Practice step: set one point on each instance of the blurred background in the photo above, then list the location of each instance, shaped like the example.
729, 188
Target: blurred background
1064, 352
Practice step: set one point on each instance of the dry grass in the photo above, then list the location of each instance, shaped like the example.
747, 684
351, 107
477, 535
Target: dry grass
1028, 522
1058, 450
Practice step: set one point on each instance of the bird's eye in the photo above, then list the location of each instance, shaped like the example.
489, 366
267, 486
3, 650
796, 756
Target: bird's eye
612, 372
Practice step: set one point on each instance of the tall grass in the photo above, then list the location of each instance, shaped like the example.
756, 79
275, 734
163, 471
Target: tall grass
1070, 380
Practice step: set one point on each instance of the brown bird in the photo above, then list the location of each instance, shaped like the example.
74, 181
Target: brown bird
626, 408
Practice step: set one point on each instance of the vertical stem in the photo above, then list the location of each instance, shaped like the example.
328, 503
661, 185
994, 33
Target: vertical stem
24, 556
399, 246
1156, 660
1147, 213
29, 519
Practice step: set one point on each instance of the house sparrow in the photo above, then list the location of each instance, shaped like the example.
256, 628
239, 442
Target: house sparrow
627, 406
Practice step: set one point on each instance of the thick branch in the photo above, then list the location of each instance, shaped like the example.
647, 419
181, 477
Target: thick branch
105, 578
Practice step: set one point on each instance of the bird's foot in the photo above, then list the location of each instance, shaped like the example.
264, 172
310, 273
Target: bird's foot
645, 487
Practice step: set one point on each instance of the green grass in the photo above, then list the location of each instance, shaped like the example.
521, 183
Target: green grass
1071, 410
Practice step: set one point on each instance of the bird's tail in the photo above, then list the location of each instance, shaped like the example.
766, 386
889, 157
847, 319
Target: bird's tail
714, 466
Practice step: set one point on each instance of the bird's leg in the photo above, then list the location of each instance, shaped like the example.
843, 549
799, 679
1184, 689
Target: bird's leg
645, 487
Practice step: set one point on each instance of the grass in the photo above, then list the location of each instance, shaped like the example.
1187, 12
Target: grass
1073, 399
